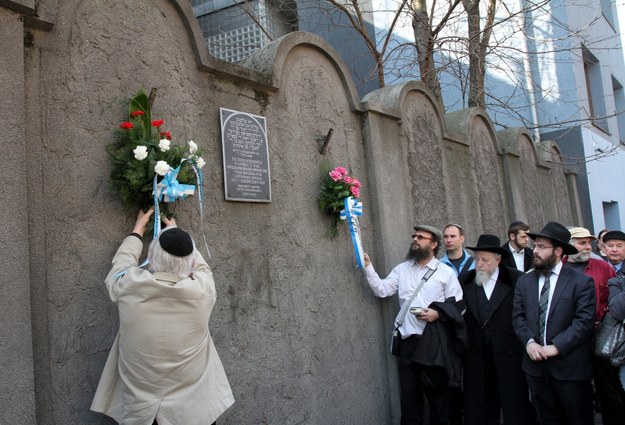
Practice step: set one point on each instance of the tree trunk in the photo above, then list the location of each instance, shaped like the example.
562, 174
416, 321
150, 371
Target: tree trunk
424, 42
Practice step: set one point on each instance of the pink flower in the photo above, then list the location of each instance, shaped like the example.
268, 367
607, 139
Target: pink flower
355, 183
341, 170
335, 175
355, 191
348, 180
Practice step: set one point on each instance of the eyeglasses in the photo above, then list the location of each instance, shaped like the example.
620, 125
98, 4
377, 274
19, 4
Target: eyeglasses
421, 237
541, 247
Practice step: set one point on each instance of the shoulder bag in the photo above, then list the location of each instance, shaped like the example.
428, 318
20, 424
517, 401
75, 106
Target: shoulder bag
395, 335
610, 340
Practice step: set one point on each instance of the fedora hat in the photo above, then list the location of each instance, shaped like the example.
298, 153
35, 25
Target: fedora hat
558, 234
489, 243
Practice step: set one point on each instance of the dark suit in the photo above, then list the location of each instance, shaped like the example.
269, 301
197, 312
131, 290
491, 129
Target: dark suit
509, 261
560, 385
493, 377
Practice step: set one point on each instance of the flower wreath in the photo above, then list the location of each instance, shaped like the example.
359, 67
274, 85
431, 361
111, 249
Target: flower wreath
147, 169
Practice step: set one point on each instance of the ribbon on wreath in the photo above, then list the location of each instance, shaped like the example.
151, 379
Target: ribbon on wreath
352, 210
169, 189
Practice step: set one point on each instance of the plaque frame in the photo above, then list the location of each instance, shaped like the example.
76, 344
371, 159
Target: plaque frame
233, 190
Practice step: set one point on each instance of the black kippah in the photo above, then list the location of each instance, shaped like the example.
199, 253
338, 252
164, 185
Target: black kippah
177, 242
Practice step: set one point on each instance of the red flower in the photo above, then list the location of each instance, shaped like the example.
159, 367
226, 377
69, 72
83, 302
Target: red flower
166, 135
126, 125
136, 114
157, 123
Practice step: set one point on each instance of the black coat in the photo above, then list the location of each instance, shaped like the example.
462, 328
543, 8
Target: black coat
509, 260
505, 349
569, 324
443, 343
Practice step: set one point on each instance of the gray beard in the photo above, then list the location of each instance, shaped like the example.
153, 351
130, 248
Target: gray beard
481, 277
582, 257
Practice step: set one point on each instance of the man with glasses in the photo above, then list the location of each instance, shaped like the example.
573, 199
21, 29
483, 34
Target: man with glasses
422, 281
614, 245
553, 317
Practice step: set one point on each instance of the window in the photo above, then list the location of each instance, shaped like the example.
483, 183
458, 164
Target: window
619, 106
611, 215
234, 29
594, 88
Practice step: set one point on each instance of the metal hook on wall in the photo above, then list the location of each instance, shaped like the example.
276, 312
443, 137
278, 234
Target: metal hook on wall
326, 141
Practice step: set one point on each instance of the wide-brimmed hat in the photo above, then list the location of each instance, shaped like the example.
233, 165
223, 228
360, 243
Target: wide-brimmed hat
558, 234
614, 234
580, 233
490, 243
438, 235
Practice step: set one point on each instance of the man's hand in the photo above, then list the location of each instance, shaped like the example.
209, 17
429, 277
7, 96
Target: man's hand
535, 351
169, 222
550, 350
142, 220
367, 260
429, 315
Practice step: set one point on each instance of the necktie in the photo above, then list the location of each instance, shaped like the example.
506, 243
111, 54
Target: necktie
543, 303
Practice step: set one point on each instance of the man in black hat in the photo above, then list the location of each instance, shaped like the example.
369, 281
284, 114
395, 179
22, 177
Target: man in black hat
493, 378
163, 366
614, 246
420, 282
553, 317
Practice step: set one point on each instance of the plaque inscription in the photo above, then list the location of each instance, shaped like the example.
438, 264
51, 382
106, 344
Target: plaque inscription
245, 156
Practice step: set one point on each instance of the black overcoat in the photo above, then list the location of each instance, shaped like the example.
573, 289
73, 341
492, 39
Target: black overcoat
507, 352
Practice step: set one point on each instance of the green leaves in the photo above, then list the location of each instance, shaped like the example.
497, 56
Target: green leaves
141, 103
334, 186
132, 178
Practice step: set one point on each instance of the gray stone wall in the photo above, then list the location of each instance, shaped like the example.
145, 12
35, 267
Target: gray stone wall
301, 337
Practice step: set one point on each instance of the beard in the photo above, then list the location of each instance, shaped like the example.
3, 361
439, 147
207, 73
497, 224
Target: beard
418, 253
582, 257
546, 264
481, 277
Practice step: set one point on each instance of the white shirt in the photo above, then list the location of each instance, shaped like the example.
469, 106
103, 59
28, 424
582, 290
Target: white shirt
519, 257
489, 286
405, 278
552, 287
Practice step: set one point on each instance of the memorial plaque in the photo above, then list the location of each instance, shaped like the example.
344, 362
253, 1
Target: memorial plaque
245, 156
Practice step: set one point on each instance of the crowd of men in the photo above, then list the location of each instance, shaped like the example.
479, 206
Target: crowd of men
528, 311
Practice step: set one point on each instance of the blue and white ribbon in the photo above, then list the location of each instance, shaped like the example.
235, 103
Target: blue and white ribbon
351, 212
169, 189
198, 176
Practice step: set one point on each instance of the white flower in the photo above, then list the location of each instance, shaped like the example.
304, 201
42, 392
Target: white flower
161, 168
192, 147
141, 152
200, 162
163, 144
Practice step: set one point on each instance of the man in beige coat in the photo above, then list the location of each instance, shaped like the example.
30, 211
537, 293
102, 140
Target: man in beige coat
163, 365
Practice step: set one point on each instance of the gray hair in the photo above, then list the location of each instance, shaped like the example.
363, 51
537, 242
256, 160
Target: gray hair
162, 261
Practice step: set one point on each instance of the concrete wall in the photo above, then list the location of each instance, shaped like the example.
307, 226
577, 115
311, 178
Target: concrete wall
301, 337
